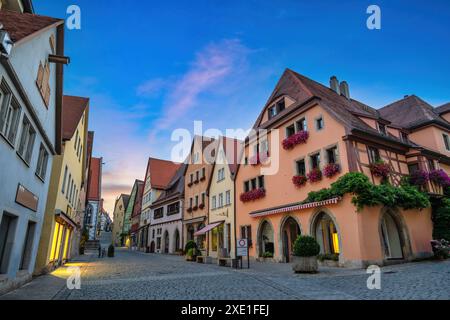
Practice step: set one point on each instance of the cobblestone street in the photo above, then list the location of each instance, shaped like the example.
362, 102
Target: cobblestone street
135, 275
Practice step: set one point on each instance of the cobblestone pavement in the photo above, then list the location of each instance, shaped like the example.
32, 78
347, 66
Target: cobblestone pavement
135, 275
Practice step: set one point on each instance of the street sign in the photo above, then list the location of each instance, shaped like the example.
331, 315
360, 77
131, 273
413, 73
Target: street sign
242, 248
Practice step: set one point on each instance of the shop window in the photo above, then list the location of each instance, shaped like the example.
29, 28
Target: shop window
214, 234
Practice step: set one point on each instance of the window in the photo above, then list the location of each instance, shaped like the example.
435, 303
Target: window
301, 167
301, 125
332, 155
196, 175
221, 174
374, 154
245, 161
68, 186
220, 200
272, 112
446, 142
81, 152
228, 197
190, 202
413, 168
214, 204
75, 146
382, 128
290, 131
203, 173
253, 183
9, 115
41, 169
315, 161
196, 201
264, 147
261, 182
192, 178
246, 186
173, 208
203, 198
64, 181
281, 105
42, 82
159, 213
26, 140
319, 123
404, 137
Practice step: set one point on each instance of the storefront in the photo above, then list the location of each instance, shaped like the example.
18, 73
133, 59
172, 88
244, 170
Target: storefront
62, 239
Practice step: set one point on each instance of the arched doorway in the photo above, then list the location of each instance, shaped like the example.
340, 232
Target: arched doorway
152, 247
290, 230
266, 239
177, 240
391, 237
166, 242
327, 234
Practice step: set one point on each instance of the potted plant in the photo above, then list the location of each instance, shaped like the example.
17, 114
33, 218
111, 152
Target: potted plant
253, 195
439, 177
331, 170
306, 250
441, 249
298, 138
419, 178
380, 169
315, 175
111, 251
191, 249
299, 181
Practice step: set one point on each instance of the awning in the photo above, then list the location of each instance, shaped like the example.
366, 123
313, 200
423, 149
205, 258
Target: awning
209, 227
295, 207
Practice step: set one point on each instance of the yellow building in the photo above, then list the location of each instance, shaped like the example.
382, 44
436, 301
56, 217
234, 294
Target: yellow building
64, 207
221, 215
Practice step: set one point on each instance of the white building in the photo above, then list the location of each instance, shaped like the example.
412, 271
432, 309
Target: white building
166, 219
31, 87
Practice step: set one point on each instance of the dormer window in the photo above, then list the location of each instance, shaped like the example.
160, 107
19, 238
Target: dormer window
277, 108
404, 136
382, 129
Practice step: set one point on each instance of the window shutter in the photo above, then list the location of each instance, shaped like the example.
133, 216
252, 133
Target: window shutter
14, 124
30, 146
47, 95
40, 76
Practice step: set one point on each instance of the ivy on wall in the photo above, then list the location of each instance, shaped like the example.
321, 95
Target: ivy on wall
367, 194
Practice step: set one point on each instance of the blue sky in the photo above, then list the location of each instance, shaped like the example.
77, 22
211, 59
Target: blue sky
152, 66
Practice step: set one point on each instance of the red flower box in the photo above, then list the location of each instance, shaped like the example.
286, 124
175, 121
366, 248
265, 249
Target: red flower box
331, 170
202, 206
299, 181
189, 210
195, 208
190, 184
380, 169
202, 178
253, 195
298, 138
439, 177
315, 175
196, 181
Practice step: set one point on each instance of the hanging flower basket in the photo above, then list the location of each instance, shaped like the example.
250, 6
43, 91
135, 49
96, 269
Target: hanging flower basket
331, 170
419, 178
380, 169
439, 177
299, 181
298, 138
315, 175
253, 195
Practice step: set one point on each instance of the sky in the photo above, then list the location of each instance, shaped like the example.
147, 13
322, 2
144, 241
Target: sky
150, 67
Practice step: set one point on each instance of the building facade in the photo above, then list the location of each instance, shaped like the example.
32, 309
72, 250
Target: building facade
94, 198
158, 175
30, 134
118, 219
310, 134
131, 210
64, 206
197, 172
220, 191
166, 226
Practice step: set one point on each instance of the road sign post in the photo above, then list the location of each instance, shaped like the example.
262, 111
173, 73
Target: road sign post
243, 251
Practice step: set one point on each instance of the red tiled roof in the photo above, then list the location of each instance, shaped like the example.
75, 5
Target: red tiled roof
95, 179
161, 171
73, 108
21, 25
443, 109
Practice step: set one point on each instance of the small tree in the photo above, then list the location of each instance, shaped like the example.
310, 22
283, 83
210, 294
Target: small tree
306, 246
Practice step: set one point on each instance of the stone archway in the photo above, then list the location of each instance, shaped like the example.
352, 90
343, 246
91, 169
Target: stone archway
289, 231
325, 230
395, 243
266, 238
166, 242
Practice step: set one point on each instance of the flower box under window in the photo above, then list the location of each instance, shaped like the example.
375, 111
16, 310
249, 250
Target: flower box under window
300, 137
315, 175
253, 195
380, 169
331, 170
299, 181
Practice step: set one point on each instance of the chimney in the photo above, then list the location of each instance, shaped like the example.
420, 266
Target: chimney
334, 84
344, 89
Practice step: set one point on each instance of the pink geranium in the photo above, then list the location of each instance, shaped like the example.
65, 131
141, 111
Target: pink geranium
253, 195
380, 169
299, 181
331, 170
315, 175
439, 177
298, 138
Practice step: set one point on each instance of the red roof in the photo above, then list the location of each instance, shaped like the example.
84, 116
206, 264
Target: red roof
21, 25
73, 108
161, 172
95, 179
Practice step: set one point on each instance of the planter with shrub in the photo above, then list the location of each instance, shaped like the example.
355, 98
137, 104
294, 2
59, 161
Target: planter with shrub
306, 250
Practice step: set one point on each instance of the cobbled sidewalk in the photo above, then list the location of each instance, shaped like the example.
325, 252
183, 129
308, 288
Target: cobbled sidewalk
139, 276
